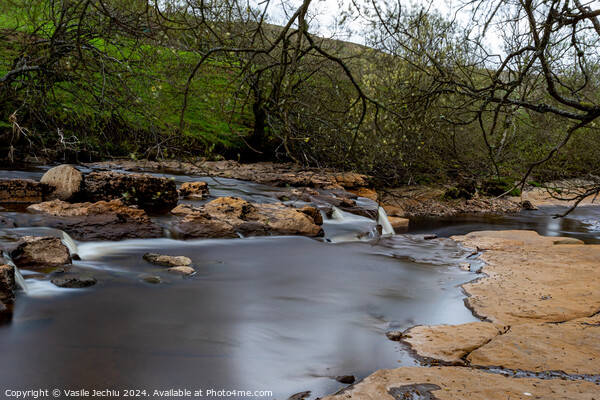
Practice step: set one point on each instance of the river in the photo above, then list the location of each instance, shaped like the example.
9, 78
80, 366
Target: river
276, 314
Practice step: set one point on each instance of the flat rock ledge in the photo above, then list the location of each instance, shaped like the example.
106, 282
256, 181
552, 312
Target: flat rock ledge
540, 298
460, 383
103, 220
280, 174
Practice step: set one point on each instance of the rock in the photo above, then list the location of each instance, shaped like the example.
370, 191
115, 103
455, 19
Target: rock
20, 191
7, 284
398, 223
194, 190
314, 213
450, 343
394, 336
523, 266
567, 240
98, 221
167, 261
65, 181
464, 266
185, 209
154, 279
182, 270
144, 190
300, 396
227, 216
528, 205
74, 282
429, 237
462, 383
571, 347
40, 252
346, 379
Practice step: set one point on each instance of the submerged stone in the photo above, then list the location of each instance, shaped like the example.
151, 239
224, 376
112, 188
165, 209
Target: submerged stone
74, 282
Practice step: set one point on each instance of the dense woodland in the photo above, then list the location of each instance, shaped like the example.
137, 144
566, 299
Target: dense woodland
502, 89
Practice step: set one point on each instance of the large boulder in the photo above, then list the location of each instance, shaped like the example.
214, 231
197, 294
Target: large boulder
103, 220
144, 190
232, 217
20, 191
7, 283
33, 252
194, 190
64, 182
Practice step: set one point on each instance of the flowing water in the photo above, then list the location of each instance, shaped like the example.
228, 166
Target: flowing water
279, 314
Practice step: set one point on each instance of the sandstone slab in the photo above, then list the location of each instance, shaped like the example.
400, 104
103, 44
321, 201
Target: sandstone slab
450, 343
571, 347
460, 383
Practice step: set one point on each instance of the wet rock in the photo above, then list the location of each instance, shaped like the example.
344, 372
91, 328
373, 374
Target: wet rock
398, 223
40, 252
65, 183
167, 261
154, 279
98, 221
394, 336
227, 216
20, 191
144, 190
300, 396
200, 224
346, 379
429, 237
464, 266
314, 213
185, 209
528, 205
7, 284
74, 282
194, 190
182, 270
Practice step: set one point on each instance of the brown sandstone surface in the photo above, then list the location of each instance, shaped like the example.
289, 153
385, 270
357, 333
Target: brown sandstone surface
460, 383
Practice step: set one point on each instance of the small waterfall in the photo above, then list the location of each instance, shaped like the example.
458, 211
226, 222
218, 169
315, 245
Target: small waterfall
69, 242
382, 219
336, 213
20, 280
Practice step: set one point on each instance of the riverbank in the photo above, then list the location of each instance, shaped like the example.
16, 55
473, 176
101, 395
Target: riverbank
540, 314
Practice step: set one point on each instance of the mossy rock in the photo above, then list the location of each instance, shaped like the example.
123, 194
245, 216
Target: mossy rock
497, 187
